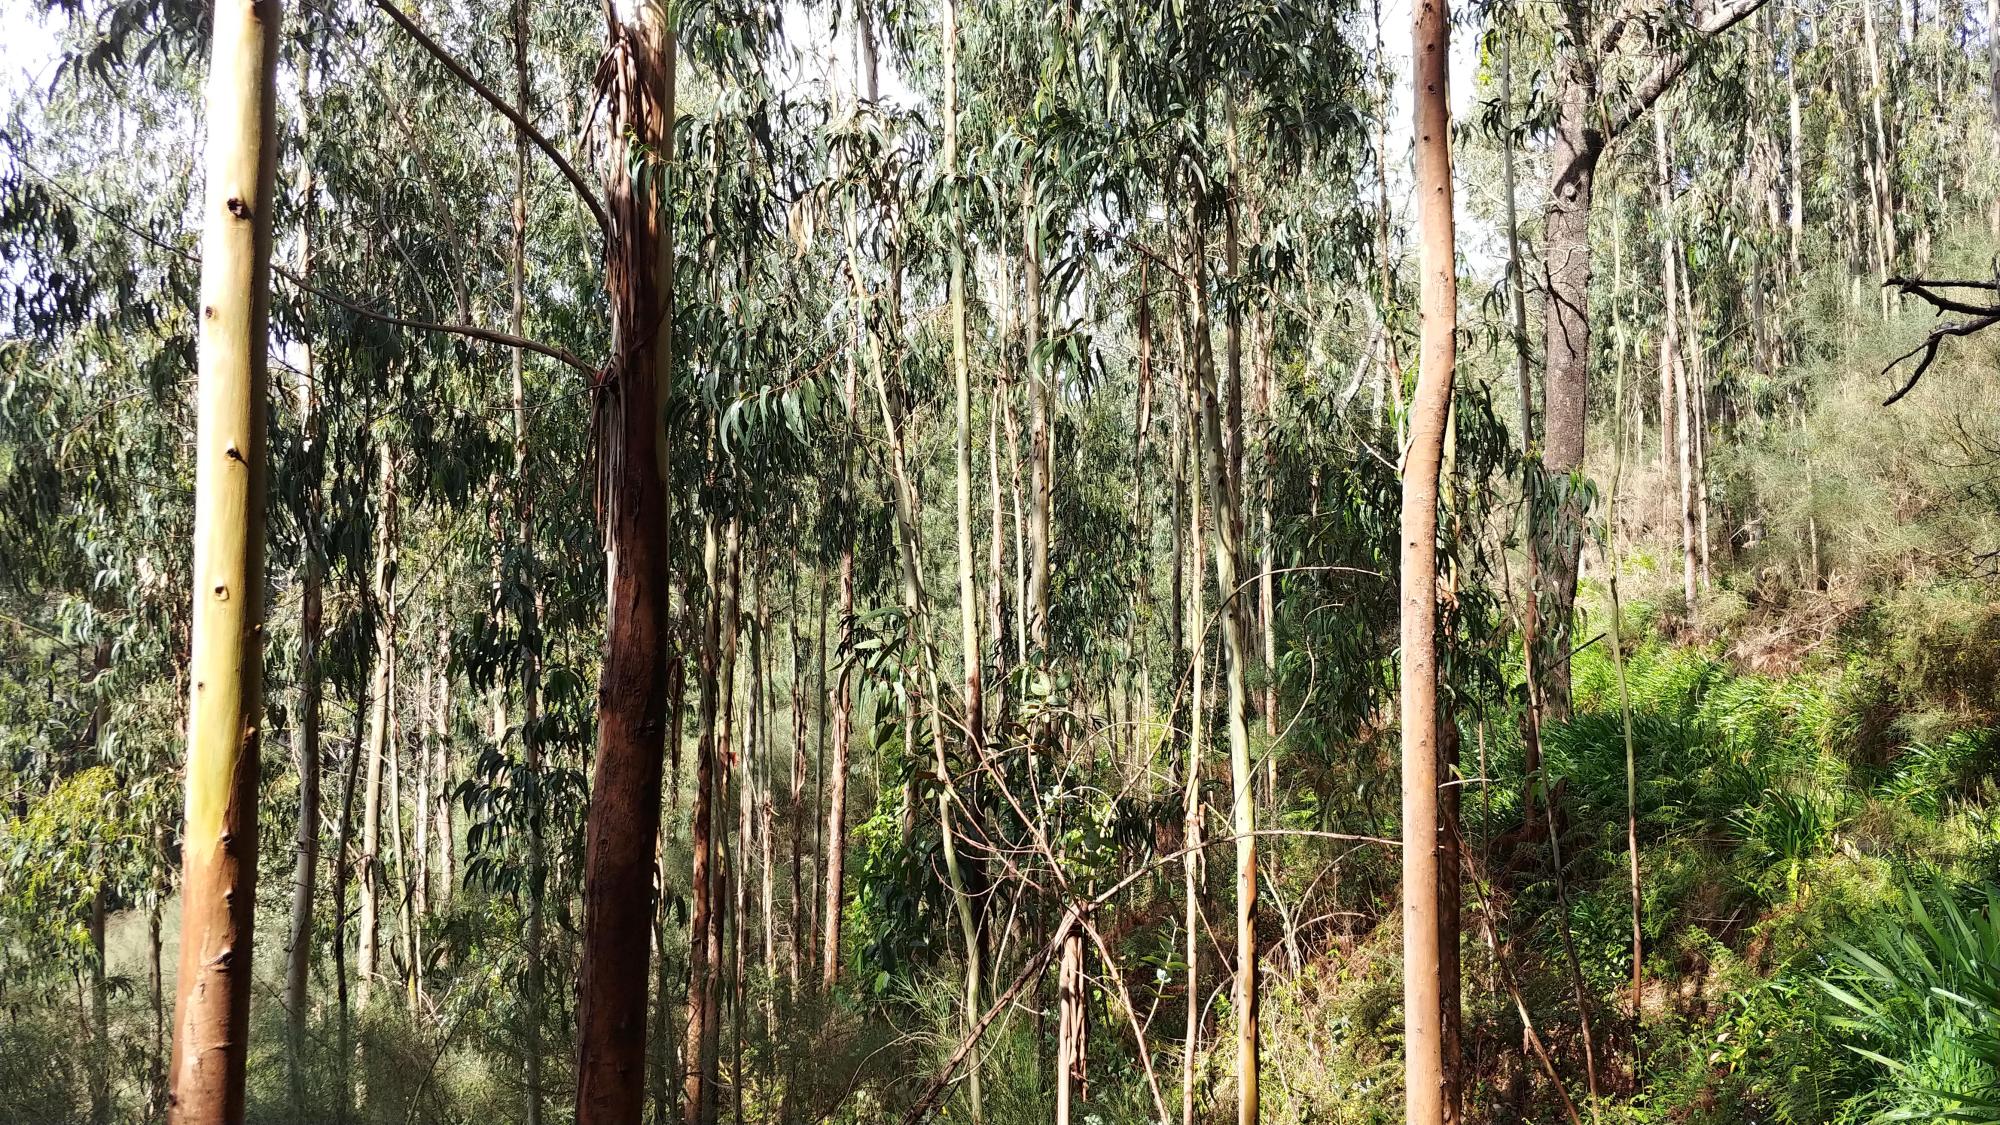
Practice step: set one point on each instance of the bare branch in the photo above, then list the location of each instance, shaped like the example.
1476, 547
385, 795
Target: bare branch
512, 114
1981, 317
1926, 289
927, 1100
470, 331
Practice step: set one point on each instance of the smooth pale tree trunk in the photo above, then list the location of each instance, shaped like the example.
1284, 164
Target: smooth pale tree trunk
836, 801
1673, 369
961, 363
381, 704
795, 807
305, 743
1517, 287
1616, 633
1041, 453
441, 788
1794, 150
1191, 863
1438, 302
225, 705
426, 748
1142, 528
343, 873
1227, 548
624, 815
406, 929
1697, 380
1266, 577
996, 556
836, 770
1882, 198
764, 701
916, 608
968, 588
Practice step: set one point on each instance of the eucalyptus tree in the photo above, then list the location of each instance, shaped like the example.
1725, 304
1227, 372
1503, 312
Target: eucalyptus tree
632, 697
1423, 992
1603, 86
219, 848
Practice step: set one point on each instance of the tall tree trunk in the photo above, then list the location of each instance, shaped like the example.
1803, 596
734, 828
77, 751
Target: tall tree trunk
225, 706
836, 803
1227, 518
1422, 985
667, 1065
624, 813
961, 363
1566, 359
526, 616
420, 808
701, 881
343, 872
1191, 863
743, 777
406, 927
836, 771
381, 705
1693, 360
968, 588
1617, 638
305, 744
1041, 455
1517, 287
795, 807
100, 1017
1672, 367
1882, 197
1796, 181
1138, 649
441, 787
722, 926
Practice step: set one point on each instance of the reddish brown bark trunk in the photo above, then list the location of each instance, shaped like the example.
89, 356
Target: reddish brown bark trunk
624, 815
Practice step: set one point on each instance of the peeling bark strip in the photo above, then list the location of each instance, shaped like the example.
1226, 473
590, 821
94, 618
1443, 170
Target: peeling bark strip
212, 1007
624, 816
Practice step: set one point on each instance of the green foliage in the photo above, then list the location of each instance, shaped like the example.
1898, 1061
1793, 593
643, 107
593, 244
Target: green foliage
1920, 993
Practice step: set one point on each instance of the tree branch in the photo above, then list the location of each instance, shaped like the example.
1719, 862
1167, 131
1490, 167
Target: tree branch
512, 114
1671, 66
927, 1100
1982, 318
470, 331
